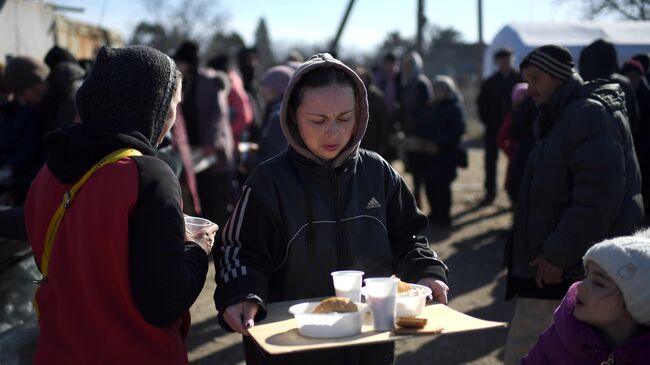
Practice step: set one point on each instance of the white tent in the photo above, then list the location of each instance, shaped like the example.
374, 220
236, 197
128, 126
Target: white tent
630, 38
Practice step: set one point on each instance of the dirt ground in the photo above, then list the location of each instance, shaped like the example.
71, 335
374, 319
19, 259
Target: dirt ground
473, 250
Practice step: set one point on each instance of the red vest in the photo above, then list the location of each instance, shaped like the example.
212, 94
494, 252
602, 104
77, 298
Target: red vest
87, 314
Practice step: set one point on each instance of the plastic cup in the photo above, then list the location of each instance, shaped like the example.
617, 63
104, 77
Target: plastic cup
381, 296
193, 224
347, 283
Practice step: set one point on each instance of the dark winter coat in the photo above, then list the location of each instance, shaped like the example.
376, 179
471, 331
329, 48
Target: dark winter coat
442, 123
599, 61
21, 146
494, 100
59, 105
272, 141
582, 181
379, 123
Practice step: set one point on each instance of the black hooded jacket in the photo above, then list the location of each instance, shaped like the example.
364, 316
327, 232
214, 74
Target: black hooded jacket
299, 218
599, 61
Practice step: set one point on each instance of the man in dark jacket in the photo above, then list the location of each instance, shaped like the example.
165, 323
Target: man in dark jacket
493, 105
582, 185
599, 60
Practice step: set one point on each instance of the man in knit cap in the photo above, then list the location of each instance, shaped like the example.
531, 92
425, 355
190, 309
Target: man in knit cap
582, 185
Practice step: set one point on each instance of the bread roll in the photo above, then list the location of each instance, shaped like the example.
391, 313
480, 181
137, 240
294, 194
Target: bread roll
336, 304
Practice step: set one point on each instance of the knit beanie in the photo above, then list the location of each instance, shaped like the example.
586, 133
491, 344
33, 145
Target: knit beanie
188, 52
552, 59
57, 55
129, 89
277, 78
24, 72
627, 261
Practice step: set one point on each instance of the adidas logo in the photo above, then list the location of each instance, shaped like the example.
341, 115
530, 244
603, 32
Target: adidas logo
373, 203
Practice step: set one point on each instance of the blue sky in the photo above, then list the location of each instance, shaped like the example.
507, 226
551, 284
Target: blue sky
308, 22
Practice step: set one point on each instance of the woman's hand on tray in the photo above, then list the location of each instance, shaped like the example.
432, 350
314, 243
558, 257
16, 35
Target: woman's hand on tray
240, 316
439, 289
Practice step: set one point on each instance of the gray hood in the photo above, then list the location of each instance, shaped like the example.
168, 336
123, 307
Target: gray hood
290, 128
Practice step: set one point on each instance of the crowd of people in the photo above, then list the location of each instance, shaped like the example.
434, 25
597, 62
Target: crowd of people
294, 164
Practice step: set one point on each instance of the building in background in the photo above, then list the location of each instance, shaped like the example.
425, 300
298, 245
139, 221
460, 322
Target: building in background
31, 28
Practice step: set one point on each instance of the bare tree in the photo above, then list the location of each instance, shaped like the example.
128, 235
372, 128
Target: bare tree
186, 19
627, 9
263, 45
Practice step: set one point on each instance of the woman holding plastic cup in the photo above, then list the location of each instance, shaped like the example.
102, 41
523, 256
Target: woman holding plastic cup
320, 206
104, 219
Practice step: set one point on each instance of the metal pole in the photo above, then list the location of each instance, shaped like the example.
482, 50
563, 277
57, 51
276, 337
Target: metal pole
420, 25
335, 42
480, 22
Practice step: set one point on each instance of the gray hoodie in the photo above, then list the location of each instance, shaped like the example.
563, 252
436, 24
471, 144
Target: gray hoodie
290, 128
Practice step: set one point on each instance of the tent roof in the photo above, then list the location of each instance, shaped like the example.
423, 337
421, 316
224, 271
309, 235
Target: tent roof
629, 38
569, 34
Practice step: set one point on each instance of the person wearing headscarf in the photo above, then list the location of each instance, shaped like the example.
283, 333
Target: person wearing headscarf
439, 130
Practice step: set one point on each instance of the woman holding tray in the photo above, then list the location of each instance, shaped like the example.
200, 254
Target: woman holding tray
319, 206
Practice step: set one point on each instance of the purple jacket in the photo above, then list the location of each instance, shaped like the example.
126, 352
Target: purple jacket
573, 342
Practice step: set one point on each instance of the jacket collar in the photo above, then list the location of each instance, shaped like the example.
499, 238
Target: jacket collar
551, 110
74, 148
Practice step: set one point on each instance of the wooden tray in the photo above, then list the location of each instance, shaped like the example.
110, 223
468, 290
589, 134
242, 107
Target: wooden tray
277, 334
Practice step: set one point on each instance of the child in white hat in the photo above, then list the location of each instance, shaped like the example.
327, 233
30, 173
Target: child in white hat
603, 319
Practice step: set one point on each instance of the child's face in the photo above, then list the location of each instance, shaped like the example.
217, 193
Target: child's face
327, 119
599, 302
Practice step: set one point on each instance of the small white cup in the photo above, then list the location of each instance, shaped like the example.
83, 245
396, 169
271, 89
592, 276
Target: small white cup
193, 224
347, 283
381, 295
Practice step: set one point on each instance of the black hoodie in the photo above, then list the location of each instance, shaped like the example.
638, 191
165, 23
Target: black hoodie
299, 218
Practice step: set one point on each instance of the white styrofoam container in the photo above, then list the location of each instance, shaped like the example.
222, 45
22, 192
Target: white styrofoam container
327, 325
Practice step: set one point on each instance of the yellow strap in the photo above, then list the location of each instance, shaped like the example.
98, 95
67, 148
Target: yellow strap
67, 200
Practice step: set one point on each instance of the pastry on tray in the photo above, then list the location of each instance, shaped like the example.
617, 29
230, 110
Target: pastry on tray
402, 287
411, 322
336, 304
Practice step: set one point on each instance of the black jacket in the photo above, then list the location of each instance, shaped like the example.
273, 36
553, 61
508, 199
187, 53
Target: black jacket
582, 181
494, 100
299, 218
441, 123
